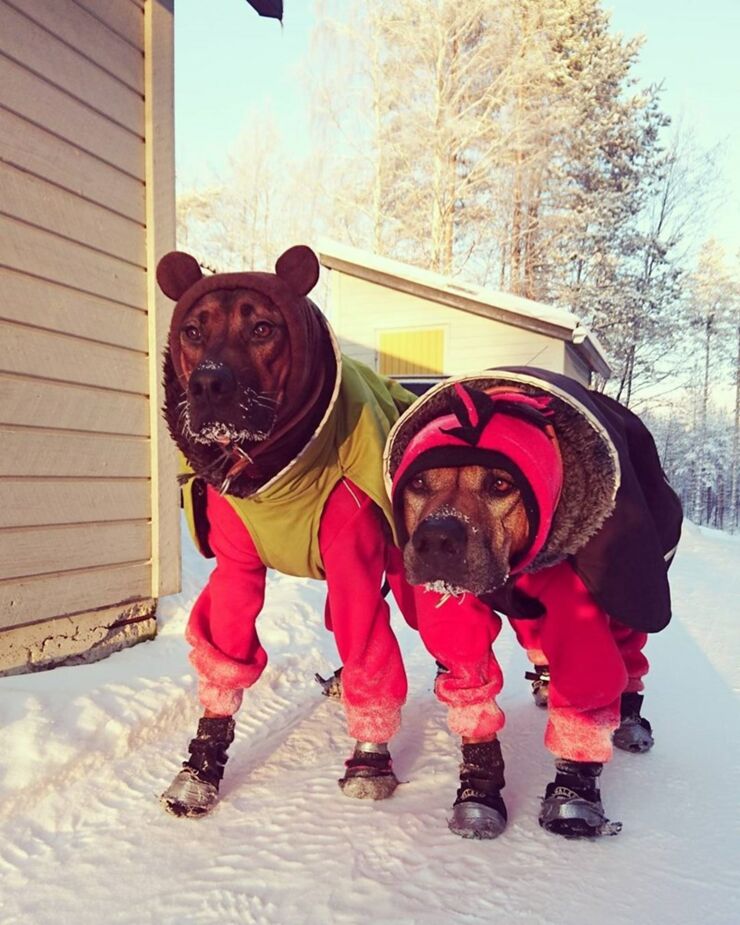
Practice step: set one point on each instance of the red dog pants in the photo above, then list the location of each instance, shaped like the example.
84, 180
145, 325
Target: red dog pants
592, 661
227, 653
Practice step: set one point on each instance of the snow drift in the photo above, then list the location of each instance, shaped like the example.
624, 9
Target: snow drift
87, 750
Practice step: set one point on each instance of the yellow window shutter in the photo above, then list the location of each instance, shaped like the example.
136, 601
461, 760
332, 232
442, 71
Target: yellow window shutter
411, 352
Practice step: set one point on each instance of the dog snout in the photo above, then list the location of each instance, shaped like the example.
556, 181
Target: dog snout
212, 384
440, 539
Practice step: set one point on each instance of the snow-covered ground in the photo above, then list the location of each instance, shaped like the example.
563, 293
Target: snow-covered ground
86, 751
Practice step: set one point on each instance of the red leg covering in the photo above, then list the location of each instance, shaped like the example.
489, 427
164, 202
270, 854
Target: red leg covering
529, 636
226, 650
353, 547
587, 672
403, 592
631, 643
459, 634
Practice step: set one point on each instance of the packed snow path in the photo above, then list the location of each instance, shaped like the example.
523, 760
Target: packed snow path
87, 750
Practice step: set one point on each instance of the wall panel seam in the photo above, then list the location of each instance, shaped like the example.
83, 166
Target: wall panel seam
75, 48
72, 96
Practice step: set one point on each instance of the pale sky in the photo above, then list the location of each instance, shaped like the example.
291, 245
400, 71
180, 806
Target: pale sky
229, 61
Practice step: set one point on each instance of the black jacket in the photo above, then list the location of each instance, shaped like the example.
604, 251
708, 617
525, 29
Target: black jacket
624, 564
618, 521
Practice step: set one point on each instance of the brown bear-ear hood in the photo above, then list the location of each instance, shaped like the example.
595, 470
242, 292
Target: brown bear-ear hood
296, 273
313, 364
176, 273
298, 267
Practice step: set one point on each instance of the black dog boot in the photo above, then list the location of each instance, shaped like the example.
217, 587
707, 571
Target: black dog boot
194, 791
540, 679
369, 773
331, 687
572, 803
634, 733
479, 810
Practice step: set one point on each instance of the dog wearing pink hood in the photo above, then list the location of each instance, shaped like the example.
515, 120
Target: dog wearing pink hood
520, 492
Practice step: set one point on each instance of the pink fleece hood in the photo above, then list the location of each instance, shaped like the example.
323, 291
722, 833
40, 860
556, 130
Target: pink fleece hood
507, 429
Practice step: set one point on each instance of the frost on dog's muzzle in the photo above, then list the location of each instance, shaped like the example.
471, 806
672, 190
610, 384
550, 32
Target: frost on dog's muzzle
445, 592
449, 555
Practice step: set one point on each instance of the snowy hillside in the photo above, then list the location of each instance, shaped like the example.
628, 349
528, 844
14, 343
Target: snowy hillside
86, 751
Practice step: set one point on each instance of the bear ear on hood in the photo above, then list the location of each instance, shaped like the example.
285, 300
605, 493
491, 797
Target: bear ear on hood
298, 267
176, 273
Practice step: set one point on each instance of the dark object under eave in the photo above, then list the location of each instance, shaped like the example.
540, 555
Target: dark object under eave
271, 8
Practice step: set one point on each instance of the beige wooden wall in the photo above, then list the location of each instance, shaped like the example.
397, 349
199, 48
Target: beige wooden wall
88, 513
575, 366
360, 310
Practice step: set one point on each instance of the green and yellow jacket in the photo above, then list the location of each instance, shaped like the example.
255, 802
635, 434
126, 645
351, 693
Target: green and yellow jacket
283, 516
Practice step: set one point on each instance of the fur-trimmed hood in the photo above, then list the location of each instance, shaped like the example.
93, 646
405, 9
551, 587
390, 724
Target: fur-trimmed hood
617, 518
591, 469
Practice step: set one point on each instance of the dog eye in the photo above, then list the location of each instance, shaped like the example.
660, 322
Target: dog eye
262, 329
418, 484
192, 333
499, 487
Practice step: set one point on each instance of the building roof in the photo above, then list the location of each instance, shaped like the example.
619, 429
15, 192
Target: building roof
459, 294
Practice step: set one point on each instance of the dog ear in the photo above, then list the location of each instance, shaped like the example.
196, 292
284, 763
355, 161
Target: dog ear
176, 273
299, 268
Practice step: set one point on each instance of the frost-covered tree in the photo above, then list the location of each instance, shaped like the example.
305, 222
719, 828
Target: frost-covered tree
734, 331
712, 307
413, 91
502, 137
642, 318
263, 201
696, 457
582, 187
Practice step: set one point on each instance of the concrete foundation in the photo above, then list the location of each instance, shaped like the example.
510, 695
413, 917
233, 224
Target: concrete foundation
76, 639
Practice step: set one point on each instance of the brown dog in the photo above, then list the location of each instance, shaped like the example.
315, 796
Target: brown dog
282, 441
518, 491
250, 368
235, 358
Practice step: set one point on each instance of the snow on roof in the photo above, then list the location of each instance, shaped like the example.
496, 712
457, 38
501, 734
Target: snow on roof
457, 292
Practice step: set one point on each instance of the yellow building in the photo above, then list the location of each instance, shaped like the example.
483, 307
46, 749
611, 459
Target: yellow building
407, 323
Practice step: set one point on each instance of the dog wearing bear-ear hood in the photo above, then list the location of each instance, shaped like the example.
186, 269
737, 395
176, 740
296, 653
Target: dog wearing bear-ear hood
281, 440
250, 367
258, 395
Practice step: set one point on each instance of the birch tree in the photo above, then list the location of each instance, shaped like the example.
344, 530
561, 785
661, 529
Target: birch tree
265, 200
433, 79
713, 307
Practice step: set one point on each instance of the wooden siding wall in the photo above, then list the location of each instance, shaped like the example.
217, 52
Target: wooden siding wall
75, 337
360, 310
575, 366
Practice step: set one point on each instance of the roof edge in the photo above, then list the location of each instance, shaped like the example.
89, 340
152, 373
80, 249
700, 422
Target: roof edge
443, 297
437, 288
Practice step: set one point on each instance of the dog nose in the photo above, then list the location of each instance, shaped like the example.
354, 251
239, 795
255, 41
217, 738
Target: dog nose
440, 538
214, 383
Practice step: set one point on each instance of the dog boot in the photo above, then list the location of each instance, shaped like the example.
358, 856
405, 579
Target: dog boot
479, 810
572, 803
540, 679
634, 733
369, 773
331, 687
194, 791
